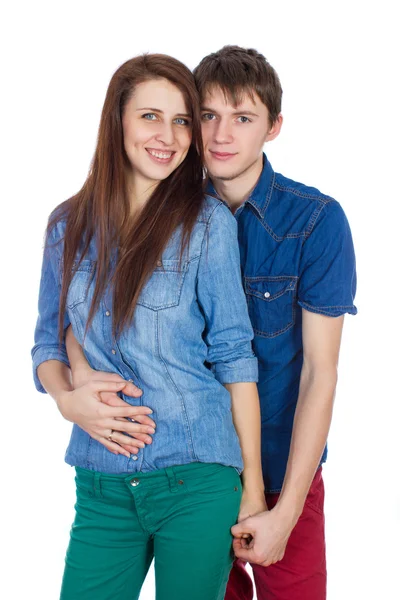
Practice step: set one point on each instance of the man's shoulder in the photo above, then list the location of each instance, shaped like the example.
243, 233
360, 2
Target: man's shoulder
308, 194
294, 207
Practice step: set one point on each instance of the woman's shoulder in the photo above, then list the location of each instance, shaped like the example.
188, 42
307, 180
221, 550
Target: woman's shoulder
213, 207
57, 221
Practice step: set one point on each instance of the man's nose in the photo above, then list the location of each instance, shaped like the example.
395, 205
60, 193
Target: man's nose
223, 132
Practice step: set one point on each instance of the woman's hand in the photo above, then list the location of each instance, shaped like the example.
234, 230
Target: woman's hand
108, 422
252, 503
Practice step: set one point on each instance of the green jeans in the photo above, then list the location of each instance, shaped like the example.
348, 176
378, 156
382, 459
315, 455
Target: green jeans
180, 516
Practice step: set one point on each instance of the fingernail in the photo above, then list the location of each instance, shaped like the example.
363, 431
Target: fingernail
151, 430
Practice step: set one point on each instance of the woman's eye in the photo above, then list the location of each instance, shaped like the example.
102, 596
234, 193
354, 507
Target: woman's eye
180, 121
207, 117
149, 116
244, 120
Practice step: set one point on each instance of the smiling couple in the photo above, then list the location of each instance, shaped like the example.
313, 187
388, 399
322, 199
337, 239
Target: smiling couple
164, 298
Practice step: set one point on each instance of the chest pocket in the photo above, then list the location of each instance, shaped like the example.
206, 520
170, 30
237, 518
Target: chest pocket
271, 302
163, 289
79, 286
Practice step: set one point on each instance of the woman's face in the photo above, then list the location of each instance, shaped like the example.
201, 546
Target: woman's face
157, 131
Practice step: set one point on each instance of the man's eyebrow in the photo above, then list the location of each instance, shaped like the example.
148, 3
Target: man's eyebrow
236, 113
246, 112
162, 112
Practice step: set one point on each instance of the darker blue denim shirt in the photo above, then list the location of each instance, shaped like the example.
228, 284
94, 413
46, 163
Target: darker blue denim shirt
296, 252
190, 335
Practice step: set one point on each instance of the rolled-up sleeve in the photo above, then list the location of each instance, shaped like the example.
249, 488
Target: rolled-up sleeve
47, 346
328, 267
228, 332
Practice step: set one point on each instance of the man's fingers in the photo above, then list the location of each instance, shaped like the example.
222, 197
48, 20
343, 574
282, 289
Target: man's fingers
106, 386
120, 438
128, 411
244, 527
127, 427
132, 390
112, 399
142, 419
112, 446
143, 437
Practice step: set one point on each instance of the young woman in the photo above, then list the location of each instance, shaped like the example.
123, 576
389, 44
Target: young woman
146, 271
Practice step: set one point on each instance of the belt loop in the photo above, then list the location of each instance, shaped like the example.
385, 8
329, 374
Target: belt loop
170, 473
97, 485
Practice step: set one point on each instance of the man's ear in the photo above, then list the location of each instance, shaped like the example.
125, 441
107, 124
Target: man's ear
275, 129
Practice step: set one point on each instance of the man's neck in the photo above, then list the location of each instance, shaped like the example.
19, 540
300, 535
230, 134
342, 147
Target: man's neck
236, 191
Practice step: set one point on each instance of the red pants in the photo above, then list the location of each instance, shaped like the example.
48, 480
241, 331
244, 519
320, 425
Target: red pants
301, 574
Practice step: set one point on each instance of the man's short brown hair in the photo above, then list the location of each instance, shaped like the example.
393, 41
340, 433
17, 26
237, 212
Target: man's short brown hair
238, 71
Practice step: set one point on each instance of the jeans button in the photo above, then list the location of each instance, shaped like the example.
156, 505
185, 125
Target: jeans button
135, 482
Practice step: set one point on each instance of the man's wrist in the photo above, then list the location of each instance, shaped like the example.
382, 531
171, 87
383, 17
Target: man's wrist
81, 374
62, 399
288, 512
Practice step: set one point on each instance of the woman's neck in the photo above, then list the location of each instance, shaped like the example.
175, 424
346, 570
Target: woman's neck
139, 192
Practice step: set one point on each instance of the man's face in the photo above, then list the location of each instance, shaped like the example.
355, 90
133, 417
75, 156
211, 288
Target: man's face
233, 136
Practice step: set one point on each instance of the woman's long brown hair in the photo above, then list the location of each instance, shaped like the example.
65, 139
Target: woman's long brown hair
101, 209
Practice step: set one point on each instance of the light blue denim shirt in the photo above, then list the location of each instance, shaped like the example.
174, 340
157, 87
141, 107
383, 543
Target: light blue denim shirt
189, 317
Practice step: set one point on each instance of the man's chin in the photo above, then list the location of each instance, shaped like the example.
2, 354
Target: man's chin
217, 176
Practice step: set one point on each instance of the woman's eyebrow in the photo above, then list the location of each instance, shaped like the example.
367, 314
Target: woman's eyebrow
162, 112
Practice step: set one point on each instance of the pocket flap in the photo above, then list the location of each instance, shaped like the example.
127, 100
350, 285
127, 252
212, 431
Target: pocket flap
269, 288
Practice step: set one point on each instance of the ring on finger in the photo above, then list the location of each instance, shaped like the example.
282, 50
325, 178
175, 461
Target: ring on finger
110, 437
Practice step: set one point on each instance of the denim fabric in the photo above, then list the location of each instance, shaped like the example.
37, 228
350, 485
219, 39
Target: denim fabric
189, 316
296, 252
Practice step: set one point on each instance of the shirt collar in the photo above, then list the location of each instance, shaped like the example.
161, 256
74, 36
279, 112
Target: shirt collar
261, 193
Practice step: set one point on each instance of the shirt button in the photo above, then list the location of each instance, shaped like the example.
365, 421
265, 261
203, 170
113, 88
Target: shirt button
107, 313
267, 295
135, 482
113, 351
130, 380
134, 457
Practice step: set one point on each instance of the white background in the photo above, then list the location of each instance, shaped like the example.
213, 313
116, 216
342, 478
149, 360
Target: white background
338, 64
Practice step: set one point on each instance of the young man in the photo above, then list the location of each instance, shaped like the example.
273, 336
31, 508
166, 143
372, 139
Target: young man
299, 275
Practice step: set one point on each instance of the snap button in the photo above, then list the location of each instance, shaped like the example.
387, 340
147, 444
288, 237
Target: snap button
130, 380
135, 482
267, 295
180, 482
159, 263
113, 351
107, 313
134, 457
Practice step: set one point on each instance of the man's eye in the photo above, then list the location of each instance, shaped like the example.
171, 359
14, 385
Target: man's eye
207, 117
244, 120
181, 121
149, 116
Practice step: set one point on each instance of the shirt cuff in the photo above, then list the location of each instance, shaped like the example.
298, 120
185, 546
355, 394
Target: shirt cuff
329, 311
238, 371
42, 354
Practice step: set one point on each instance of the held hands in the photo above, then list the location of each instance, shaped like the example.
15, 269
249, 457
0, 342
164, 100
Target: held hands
261, 539
95, 406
